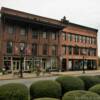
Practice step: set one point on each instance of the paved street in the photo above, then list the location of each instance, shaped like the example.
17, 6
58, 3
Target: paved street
30, 78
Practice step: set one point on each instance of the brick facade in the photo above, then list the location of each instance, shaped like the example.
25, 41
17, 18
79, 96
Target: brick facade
54, 40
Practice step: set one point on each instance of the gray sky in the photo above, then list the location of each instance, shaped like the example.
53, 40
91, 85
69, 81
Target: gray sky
84, 12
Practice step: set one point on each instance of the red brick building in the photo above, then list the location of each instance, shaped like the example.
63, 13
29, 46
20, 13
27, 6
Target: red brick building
49, 43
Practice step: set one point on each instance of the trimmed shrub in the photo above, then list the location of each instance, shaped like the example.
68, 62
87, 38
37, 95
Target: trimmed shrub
46, 99
95, 88
90, 81
80, 95
45, 88
98, 76
69, 83
13, 91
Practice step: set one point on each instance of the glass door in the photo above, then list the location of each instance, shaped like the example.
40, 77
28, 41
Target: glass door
16, 65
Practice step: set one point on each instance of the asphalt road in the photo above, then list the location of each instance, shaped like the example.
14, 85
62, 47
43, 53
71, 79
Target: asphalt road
27, 82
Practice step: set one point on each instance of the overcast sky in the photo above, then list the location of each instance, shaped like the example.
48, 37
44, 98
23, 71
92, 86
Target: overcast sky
84, 12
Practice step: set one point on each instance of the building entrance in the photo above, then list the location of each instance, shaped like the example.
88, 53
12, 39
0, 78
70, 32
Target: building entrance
16, 64
64, 64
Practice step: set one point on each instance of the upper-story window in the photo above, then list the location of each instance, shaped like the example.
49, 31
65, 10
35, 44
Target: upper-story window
22, 46
95, 41
88, 40
34, 49
45, 35
23, 31
70, 38
76, 50
76, 38
35, 34
54, 50
69, 50
85, 39
45, 49
11, 29
64, 49
9, 47
81, 38
64, 36
94, 52
53, 36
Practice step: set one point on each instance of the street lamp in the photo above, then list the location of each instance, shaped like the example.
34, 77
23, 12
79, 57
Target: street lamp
22, 47
60, 64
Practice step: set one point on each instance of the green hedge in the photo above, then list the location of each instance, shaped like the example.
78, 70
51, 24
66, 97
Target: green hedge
90, 81
69, 83
13, 91
46, 99
80, 95
45, 88
95, 88
98, 76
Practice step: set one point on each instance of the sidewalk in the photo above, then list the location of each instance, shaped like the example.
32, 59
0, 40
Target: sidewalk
77, 73
25, 76
33, 75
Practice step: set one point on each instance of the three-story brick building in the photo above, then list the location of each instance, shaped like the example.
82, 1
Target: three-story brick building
48, 43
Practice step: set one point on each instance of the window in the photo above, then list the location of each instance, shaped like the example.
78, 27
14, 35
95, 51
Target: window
23, 31
76, 38
9, 47
70, 37
94, 52
89, 40
89, 52
22, 46
70, 50
54, 50
53, 36
64, 36
11, 29
34, 49
81, 39
45, 49
44, 35
95, 41
81, 51
92, 40
64, 49
85, 39
76, 50
35, 34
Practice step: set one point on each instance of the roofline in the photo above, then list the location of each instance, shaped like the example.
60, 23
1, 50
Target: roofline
3, 9
59, 22
86, 27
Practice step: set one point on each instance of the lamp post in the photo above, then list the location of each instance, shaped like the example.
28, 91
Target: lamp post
60, 64
22, 47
